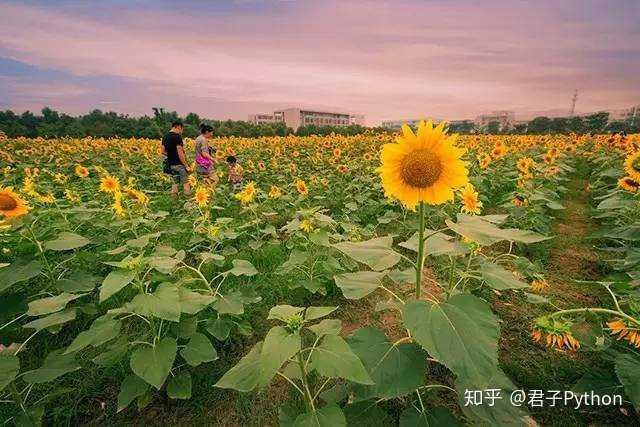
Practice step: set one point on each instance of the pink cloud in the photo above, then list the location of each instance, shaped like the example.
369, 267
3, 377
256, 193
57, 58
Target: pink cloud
384, 59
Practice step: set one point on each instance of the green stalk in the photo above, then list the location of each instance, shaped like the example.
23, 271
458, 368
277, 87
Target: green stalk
305, 384
420, 260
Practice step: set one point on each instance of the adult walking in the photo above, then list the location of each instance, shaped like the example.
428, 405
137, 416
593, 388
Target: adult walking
175, 159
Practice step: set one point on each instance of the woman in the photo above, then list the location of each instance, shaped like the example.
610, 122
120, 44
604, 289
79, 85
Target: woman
205, 162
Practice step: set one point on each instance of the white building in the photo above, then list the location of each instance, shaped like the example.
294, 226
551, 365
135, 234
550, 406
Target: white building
296, 117
505, 118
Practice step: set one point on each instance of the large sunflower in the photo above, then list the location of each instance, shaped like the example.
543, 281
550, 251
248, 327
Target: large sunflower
11, 205
422, 167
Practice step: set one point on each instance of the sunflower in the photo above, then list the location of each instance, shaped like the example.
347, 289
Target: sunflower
558, 340
484, 161
422, 167
301, 186
519, 201
202, 197
275, 192
306, 225
81, 171
539, 285
632, 166
470, 201
71, 196
337, 152
11, 205
368, 157
109, 184
623, 331
247, 194
629, 184
343, 168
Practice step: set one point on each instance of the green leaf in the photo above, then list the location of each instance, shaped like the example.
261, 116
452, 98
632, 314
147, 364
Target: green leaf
245, 375
436, 244
54, 319
376, 253
193, 302
9, 368
502, 413
220, 328
474, 227
313, 313
461, 333
278, 347
327, 416
66, 242
114, 282
179, 386
233, 303
51, 304
402, 276
79, 281
628, 372
198, 350
367, 413
282, 312
114, 353
164, 303
31, 418
55, 365
395, 370
499, 278
242, 267
599, 382
334, 358
153, 364
326, 327
359, 284
19, 272
103, 329
131, 388
438, 416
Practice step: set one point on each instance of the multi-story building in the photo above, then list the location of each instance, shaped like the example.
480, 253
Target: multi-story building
296, 117
505, 118
261, 118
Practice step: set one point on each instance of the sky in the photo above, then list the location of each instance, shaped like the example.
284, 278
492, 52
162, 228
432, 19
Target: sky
396, 59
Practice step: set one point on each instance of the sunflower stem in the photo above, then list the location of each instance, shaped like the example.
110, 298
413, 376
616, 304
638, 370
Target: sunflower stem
420, 260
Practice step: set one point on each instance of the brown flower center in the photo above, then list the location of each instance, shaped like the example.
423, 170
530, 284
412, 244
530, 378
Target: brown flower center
421, 168
7, 203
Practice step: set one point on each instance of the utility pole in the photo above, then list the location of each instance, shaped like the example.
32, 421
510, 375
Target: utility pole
573, 103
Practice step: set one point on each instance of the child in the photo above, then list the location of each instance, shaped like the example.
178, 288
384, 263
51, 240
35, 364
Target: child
235, 173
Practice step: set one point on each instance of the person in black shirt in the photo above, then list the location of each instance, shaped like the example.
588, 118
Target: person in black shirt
175, 159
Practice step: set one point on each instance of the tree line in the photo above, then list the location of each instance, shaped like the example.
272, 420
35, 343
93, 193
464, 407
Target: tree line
99, 124
50, 123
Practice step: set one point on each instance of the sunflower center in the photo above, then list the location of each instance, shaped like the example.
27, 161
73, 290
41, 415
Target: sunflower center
7, 203
421, 168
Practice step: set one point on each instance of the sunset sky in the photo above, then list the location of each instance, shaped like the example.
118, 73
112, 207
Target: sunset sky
385, 59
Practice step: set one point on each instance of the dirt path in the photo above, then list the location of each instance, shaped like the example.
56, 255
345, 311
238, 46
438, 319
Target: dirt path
571, 257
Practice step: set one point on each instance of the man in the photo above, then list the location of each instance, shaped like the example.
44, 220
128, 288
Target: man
176, 160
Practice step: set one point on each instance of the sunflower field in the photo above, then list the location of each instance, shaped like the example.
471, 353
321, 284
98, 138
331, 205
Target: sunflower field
414, 279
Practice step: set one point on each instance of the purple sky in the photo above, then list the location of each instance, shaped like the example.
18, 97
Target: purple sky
385, 59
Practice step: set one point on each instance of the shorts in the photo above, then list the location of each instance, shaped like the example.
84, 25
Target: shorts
179, 174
